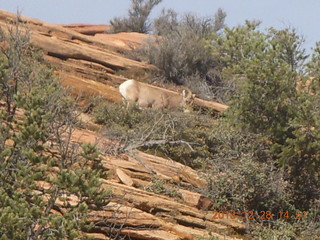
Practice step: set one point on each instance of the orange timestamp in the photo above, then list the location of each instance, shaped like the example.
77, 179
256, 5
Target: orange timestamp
262, 215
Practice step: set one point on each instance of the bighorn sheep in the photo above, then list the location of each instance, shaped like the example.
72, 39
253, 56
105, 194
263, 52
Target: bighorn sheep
145, 96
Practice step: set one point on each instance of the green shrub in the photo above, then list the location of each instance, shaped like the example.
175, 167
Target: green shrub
306, 227
158, 186
281, 229
208, 238
242, 175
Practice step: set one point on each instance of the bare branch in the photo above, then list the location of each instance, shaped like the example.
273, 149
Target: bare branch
151, 143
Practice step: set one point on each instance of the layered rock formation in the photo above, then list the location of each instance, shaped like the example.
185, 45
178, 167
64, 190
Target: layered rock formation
92, 64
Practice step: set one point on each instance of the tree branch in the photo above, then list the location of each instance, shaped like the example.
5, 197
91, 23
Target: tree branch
154, 142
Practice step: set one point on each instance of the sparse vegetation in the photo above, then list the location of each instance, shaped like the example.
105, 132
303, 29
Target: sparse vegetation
208, 238
158, 186
165, 133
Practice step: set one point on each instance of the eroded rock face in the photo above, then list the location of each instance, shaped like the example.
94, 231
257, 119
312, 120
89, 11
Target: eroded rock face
90, 62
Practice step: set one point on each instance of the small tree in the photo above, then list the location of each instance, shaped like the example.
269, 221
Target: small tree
14, 62
313, 81
265, 76
301, 153
289, 44
137, 20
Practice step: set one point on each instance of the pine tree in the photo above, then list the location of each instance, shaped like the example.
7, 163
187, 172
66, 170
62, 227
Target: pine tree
301, 153
261, 67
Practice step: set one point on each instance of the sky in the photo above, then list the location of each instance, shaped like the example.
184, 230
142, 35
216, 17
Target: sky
303, 15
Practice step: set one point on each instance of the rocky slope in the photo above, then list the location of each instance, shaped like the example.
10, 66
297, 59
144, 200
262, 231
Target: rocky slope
92, 63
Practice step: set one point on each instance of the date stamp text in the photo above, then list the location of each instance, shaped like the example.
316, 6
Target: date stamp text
262, 215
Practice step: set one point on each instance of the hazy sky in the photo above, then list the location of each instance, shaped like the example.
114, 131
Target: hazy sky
304, 15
